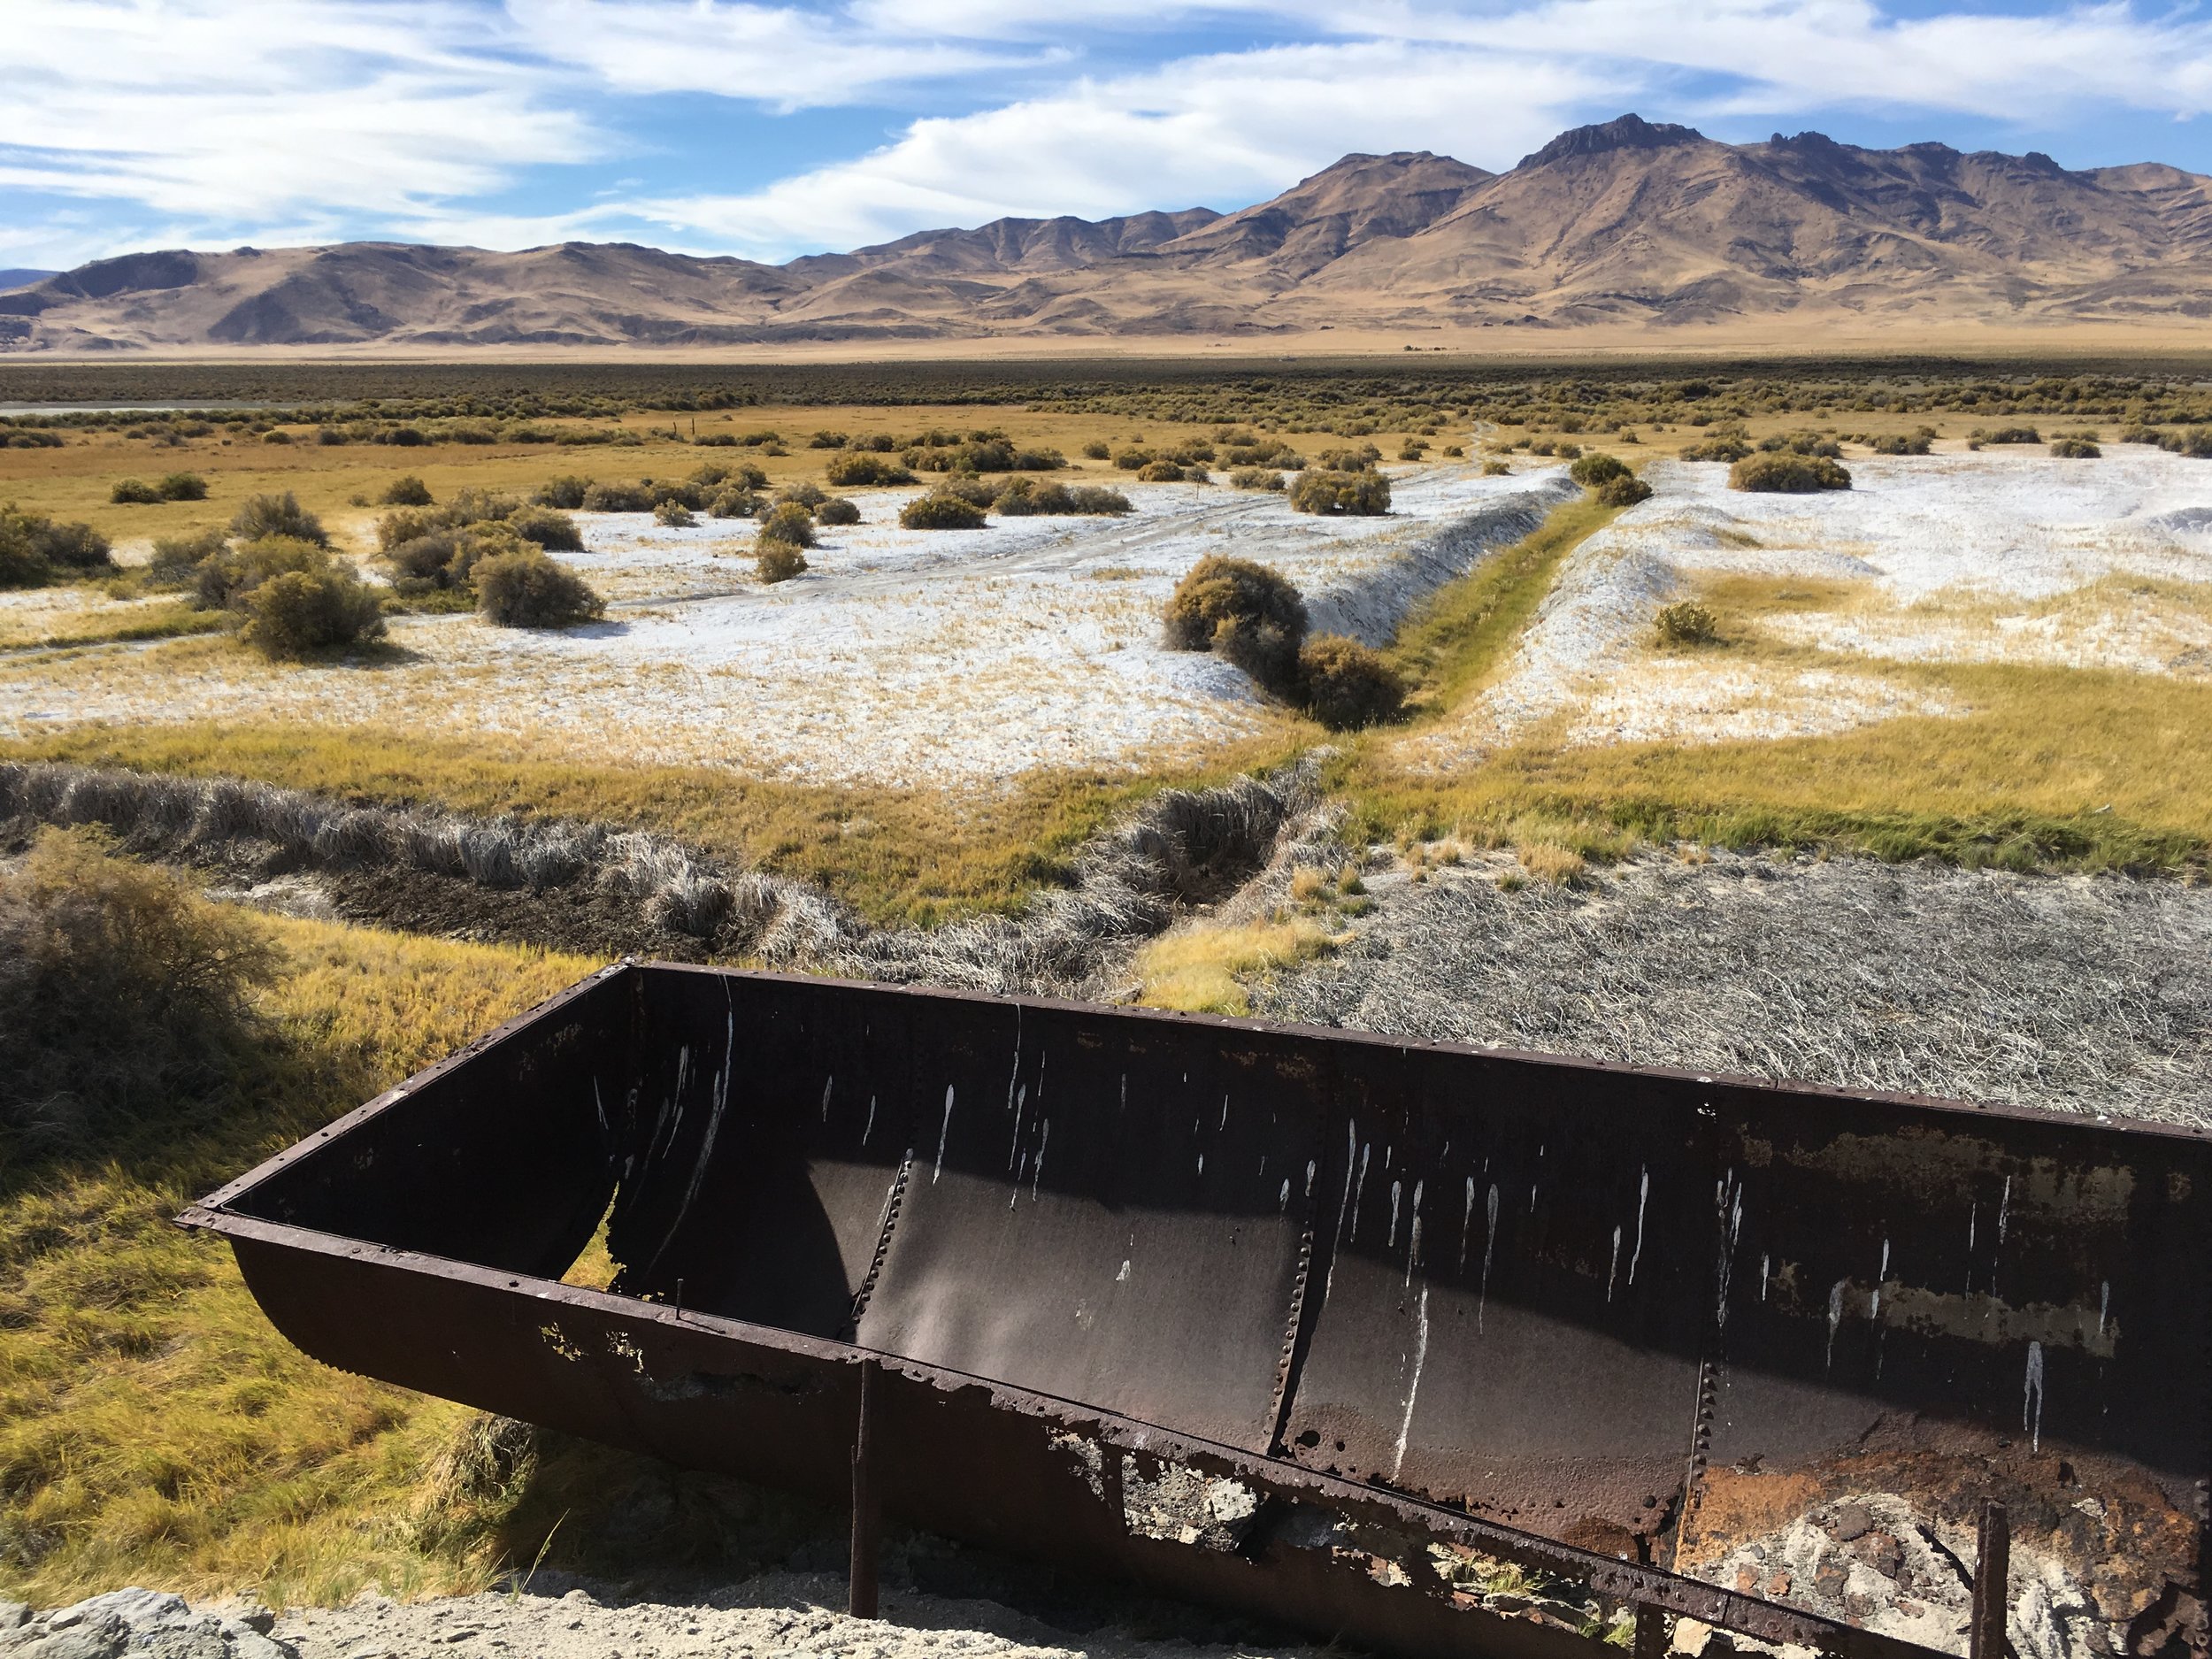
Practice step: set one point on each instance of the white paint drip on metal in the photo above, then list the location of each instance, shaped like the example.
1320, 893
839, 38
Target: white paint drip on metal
1466, 1223
1282, 1203
1359, 1191
870, 1128
1874, 1303
2104, 1306
2031, 1398
1122, 1277
1037, 1169
1489, 1249
1413, 1237
1021, 1100
1614, 1271
1391, 1243
1413, 1391
1643, 1195
944, 1130
828, 1083
1835, 1318
1311, 1168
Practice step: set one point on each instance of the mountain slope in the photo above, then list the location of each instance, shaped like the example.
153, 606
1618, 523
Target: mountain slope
1628, 221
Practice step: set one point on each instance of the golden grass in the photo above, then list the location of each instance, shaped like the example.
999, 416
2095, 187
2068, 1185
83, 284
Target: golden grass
918, 856
153, 1427
1206, 969
73, 482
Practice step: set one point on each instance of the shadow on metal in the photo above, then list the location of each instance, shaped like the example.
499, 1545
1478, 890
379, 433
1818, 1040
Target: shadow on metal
1298, 1321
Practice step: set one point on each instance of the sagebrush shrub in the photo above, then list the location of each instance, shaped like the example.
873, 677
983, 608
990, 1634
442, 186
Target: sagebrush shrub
837, 510
1597, 469
177, 558
531, 589
790, 523
616, 498
854, 468
806, 493
221, 582
300, 611
1783, 473
1166, 472
1685, 622
260, 516
407, 491
674, 514
2076, 449
1624, 491
1097, 451
777, 561
1330, 491
1243, 611
1255, 477
1346, 686
940, 510
182, 487
132, 492
736, 502
566, 492
554, 531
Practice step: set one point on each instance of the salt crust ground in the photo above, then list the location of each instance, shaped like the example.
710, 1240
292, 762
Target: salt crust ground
1972, 557
903, 657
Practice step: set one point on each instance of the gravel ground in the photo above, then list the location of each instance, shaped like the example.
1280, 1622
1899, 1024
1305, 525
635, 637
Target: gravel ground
2079, 993
782, 1615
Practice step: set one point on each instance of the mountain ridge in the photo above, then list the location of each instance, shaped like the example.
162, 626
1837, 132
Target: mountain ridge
1625, 222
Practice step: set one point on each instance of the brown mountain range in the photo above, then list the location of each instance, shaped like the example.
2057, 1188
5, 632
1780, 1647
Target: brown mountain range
1627, 223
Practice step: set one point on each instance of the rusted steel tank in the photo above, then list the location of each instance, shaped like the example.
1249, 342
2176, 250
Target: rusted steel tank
1320, 1325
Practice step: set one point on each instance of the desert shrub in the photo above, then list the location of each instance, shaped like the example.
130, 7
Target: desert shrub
1624, 491
1496, 469
1133, 459
475, 506
407, 491
566, 492
716, 441
941, 510
1800, 443
664, 491
1914, 442
177, 558
2195, 442
976, 492
1026, 497
2071, 449
1722, 443
556, 532
735, 502
775, 561
879, 443
746, 475
1685, 622
708, 474
789, 522
837, 510
805, 493
261, 516
1350, 460
1595, 470
1412, 450
617, 498
182, 487
854, 468
299, 611
1330, 491
277, 437
528, 589
404, 525
829, 440
1255, 477
2005, 435
426, 561
1569, 451
2139, 434
223, 580
1345, 685
1781, 472
674, 514
1097, 451
126, 992
1166, 472
35, 550
1244, 611
1192, 452
35, 439
132, 492
334, 437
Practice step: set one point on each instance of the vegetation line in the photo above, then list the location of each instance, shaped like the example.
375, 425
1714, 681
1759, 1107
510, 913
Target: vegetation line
1453, 642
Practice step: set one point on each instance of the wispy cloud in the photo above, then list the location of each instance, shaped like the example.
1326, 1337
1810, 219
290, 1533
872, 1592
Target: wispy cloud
218, 120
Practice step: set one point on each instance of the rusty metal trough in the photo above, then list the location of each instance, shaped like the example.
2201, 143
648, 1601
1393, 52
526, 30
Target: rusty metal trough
1299, 1321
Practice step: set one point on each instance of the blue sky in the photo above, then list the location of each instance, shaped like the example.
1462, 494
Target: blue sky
771, 130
